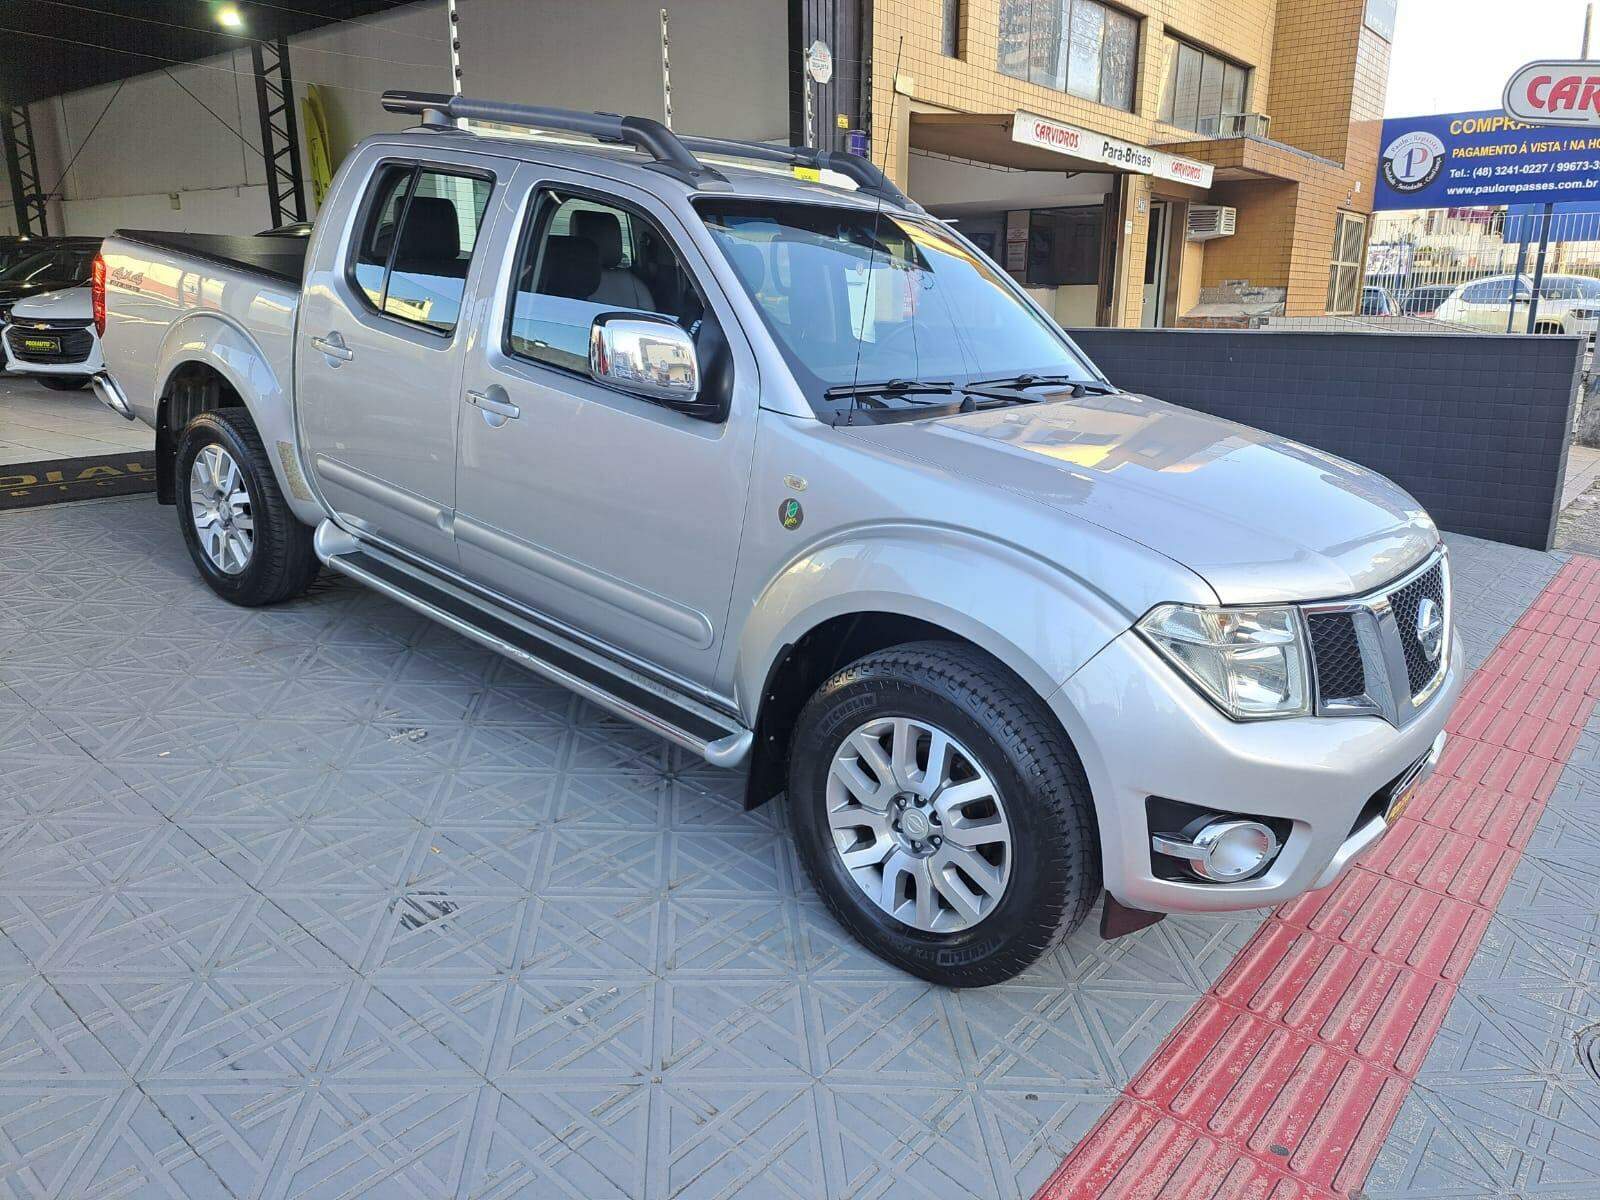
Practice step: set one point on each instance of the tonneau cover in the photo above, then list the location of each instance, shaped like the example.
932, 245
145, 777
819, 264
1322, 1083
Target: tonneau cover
280, 257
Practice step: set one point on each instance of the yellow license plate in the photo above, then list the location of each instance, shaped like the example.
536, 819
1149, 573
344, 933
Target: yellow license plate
1397, 806
42, 345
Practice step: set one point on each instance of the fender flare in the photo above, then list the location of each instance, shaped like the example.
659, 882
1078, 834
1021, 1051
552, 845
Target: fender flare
217, 341
1032, 615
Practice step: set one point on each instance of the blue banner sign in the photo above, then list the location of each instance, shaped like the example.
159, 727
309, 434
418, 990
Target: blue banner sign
1483, 159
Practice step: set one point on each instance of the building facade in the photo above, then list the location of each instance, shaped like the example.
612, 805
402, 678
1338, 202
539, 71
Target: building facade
1140, 162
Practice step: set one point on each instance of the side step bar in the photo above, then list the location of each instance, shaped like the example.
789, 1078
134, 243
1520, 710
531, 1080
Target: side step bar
715, 736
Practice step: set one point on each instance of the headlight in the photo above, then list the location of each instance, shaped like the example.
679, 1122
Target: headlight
1250, 662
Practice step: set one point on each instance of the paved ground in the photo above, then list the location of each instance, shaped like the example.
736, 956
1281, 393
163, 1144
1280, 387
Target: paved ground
37, 423
324, 900
1583, 470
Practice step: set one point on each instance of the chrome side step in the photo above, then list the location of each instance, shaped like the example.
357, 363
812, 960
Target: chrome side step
715, 736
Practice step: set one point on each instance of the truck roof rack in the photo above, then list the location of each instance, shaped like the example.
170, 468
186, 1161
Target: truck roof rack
671, 153
867, 177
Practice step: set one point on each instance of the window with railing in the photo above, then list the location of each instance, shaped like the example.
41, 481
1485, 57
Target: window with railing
1204, 91
1081, 47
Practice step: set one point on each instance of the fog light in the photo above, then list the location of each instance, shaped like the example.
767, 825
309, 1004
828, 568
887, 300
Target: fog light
1223, 851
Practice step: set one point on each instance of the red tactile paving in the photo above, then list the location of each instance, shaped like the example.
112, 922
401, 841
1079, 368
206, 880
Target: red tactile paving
1283, 1080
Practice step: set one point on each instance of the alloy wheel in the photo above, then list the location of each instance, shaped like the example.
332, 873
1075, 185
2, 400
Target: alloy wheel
219, 502
918, 824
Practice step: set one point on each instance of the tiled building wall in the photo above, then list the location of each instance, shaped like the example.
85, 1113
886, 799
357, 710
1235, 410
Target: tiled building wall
1317, 71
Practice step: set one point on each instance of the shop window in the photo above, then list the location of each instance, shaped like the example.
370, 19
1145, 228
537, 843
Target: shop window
950, 29
1203, 90
1081, 47
1064, 246
1344, 272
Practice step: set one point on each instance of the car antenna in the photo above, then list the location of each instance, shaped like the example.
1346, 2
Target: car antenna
872, 251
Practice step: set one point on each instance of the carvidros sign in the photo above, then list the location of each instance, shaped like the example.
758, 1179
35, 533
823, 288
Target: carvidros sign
1555, 92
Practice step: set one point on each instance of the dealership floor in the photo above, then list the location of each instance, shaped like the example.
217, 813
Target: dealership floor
325, 900
37, 424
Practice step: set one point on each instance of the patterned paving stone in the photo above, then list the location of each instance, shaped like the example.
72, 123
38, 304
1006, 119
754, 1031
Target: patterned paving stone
323, 900
1503, 1107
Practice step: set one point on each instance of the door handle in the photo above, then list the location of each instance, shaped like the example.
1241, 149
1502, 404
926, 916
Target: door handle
333, 347
490, 403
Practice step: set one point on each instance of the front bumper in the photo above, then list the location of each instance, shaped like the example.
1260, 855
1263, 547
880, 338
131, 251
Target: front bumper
1142, 731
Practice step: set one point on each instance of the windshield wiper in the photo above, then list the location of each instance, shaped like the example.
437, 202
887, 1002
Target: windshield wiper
1029, 379
892, 387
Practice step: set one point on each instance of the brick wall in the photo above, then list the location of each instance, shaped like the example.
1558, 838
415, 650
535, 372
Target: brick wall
1316, 70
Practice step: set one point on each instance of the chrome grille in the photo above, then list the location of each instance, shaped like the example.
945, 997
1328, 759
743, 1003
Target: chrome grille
1366, 652
1340, 672
1420, 669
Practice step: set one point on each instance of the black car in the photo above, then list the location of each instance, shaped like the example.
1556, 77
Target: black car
14, 249
50, 265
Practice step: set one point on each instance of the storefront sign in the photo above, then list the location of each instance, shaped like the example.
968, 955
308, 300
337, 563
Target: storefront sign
1483, 159
1555, 93
1032, 130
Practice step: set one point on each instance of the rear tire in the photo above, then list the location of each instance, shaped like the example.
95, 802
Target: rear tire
63, 383
245, 541
1042, 875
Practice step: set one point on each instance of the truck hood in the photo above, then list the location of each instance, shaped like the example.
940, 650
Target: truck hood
1259, 517
68, 304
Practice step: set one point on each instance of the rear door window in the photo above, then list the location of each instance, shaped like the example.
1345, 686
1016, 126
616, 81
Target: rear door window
416, 243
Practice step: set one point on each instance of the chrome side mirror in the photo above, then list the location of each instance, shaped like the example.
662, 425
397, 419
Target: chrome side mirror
649, 356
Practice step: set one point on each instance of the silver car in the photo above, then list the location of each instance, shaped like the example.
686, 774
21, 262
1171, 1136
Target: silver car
738, 443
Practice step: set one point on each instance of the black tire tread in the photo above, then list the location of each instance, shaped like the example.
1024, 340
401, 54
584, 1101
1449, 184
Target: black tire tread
1041, 753
290, 564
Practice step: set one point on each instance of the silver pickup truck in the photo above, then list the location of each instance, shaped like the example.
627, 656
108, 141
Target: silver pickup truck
738, 443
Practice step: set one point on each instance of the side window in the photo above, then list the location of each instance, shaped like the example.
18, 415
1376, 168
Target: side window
416, 245
583, 258
387, 201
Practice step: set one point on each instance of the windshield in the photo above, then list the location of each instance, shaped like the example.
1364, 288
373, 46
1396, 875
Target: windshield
912, 302
49, 264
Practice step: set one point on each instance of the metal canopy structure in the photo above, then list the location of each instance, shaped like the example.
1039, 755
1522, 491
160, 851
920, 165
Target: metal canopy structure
22, 170
56, 46
280, 140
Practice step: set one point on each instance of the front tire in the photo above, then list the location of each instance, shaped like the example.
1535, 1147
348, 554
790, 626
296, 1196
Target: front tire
245, 541
942, 813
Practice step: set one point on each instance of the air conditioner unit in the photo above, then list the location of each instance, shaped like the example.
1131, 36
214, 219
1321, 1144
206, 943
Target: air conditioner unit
1207, 221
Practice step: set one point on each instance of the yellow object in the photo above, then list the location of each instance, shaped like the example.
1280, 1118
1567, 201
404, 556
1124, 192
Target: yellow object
811, 173
318, 145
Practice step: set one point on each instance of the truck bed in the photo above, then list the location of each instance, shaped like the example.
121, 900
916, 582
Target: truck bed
282, 258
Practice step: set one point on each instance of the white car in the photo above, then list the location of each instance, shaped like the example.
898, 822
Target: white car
52, 337
1567, 304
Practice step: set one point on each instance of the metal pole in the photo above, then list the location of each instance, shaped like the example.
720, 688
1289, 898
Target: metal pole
1516, 276
1588, 24
455, 54
1538, 271
291, 130
666, 71
811, 116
